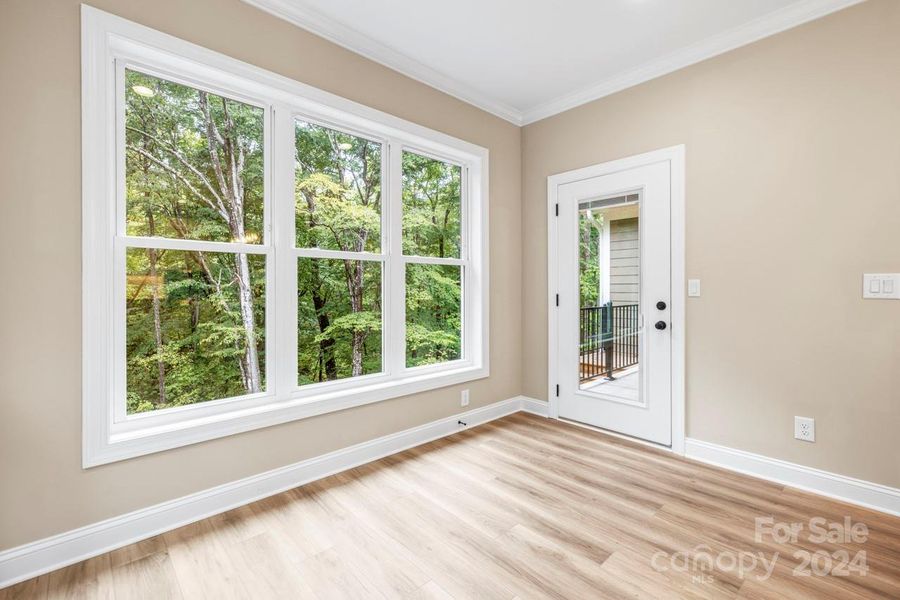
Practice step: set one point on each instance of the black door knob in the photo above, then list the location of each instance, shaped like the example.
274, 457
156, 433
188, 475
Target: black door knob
661, 305
660, 325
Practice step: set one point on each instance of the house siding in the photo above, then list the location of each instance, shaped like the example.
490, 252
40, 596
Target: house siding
624, 261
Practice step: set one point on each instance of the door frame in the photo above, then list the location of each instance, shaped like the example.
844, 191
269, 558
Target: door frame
675, 156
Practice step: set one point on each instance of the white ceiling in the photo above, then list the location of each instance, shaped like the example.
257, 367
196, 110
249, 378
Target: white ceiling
525, 60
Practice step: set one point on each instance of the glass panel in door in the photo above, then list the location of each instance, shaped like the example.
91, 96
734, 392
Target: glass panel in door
609, 278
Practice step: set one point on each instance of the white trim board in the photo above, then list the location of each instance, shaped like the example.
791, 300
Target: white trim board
777, 21
36, 558
840, 487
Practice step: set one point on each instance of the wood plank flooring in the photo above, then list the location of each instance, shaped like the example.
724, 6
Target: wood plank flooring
523, 507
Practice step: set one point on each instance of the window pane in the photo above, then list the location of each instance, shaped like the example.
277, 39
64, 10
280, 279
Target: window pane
431, 207
433, 314
193, 163
195, 327
339, 319
338, 190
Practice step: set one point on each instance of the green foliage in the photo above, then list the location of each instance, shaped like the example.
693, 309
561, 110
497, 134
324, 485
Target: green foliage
328, 324
169, 166
195, 320
338, 194
186, 339
338, 190
431, 207
590, 230
338, 203
203, 336
433, 316
432, 215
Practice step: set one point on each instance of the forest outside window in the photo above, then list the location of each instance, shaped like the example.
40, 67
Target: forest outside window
195, 319
257, 251
338, 196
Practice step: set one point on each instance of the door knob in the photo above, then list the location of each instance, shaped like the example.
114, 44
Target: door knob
661, 305
660, 325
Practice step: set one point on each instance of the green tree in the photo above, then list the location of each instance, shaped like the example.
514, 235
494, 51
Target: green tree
432, 216
338, 202
194, 170
195, 319
590, 231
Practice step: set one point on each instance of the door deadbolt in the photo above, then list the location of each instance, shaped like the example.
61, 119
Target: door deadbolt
661, 305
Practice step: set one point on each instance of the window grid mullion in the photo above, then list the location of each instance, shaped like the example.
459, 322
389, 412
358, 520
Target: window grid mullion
283, 237
188, 245
395, 322
435, 260
338, 254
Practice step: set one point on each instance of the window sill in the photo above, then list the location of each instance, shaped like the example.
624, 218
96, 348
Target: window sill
207, 425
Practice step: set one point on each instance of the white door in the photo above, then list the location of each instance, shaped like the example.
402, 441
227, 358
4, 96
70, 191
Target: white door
614, 319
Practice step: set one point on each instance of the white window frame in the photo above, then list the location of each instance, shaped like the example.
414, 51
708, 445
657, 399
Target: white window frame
109, 45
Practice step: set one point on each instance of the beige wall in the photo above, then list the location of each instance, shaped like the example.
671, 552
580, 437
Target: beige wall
43, 489
793, 191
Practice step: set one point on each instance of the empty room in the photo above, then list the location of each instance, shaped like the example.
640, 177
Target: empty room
409, 300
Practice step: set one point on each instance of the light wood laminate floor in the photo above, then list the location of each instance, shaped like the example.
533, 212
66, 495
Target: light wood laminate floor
523, 507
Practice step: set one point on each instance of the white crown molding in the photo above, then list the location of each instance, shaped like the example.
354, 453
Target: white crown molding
765, 26
333, 31
770, 24
42, 556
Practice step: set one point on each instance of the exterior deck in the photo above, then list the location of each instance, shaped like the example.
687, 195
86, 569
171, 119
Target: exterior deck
625, 386
609, 341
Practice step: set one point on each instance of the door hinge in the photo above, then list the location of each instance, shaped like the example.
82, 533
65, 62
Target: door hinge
557, 209
557, 299
557, 390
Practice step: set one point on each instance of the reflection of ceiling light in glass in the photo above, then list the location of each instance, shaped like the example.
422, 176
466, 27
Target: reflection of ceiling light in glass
143, 90
345, 146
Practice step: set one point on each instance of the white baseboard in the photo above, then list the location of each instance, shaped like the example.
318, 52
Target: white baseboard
855, 491
535, 407
30, 560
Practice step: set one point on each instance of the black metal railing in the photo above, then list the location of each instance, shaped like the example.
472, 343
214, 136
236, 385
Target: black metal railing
609, 339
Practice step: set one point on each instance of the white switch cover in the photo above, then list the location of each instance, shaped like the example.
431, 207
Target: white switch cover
694, 288
881, 285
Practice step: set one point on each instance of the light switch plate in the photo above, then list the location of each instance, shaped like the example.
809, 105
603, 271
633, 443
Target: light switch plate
694, 288
881, 285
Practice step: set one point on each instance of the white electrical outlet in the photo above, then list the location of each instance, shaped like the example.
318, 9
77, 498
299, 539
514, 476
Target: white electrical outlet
805, 429
464, 398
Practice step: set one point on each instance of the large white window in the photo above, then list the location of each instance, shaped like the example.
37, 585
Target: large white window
258, 251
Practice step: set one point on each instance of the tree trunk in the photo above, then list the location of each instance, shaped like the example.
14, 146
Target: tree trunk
359, 338
157, 321
229, 171
252, 381
354, 270
326, 346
